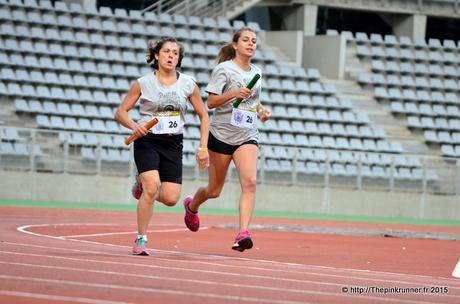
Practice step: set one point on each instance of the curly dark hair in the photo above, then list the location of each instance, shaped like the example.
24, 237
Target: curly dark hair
154, 47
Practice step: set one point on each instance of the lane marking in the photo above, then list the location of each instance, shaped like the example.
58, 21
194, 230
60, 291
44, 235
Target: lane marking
197, 281
224, 273
128, 232
456, 272
232, 285
151, 290
24, 228
49, 297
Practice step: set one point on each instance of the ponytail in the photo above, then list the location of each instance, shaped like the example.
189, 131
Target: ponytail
226, 52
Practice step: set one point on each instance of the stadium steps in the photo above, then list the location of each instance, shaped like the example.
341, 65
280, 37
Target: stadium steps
8, 116
380, 116
282, 58
353, 66
11, 120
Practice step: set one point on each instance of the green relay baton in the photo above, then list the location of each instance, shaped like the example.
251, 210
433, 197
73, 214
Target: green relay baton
251, 83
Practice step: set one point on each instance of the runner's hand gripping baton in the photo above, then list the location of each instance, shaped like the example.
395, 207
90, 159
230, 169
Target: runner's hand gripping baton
148, 126
251, 83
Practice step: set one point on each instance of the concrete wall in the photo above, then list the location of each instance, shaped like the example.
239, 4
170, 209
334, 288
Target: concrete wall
326, 53
291, 42
102, 189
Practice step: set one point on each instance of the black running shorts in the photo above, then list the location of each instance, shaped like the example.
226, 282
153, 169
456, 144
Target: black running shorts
218, 146
162, 152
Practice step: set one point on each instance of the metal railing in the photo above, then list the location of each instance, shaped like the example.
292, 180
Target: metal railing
51, 151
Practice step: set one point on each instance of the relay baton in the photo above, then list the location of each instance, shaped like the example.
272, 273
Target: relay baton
148, 125
251, 83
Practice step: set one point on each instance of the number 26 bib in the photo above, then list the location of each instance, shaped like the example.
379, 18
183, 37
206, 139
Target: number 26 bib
244, 118
168, 123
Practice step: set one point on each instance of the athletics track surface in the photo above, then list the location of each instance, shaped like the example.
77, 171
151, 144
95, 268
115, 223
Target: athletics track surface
65, 255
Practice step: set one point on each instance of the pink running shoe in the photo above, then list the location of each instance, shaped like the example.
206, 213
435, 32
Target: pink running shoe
139, 247
137, 188
243, 241
191, 219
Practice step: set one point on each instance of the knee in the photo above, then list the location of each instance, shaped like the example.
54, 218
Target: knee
214, 193
170, 203
150, 191
249, 184
170, 199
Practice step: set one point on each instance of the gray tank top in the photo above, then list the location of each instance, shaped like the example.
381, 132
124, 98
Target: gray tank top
227, 76
161, 100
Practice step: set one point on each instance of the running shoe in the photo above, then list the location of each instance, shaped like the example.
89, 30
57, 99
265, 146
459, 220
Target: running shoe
137, 188
243, 241
139, 247
191, 219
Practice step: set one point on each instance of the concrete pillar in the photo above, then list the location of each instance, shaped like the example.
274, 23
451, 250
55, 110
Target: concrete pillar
308, 15
413, 26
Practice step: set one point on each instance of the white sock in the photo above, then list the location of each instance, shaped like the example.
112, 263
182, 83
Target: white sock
142, 236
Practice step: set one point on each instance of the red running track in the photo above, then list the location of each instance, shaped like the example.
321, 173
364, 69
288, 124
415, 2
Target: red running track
82, 256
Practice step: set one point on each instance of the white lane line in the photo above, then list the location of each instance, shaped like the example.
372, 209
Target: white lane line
169, 278
151, 290
246, 286
366, 281
128, 232
23, 229
60, 299
71, 224
168, 267
232, 285
456, 272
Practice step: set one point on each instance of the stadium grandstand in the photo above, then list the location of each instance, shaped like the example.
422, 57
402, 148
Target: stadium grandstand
364, 97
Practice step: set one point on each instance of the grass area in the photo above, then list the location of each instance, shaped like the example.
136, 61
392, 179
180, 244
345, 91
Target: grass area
178, 209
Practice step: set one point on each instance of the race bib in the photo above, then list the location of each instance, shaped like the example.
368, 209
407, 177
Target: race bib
168, 123
244, 118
